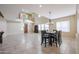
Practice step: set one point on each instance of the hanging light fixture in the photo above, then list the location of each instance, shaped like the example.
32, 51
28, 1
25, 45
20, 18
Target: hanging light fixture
39, 15
50, 22
40, 6
49, 16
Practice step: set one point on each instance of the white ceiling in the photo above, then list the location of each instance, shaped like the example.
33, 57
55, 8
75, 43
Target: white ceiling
57, 10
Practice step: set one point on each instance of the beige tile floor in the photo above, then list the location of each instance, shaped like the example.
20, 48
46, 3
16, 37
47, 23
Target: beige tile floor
31, 44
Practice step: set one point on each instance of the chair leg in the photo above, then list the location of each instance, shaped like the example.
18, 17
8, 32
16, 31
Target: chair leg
1, 41
60, 43
51, 42
56, 44
45, 42
42, 41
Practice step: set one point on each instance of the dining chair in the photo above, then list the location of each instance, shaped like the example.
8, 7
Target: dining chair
54, 38
59, 38
1, 40
44, 38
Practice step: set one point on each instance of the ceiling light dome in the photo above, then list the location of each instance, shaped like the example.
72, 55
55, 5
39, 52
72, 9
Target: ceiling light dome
39, 15
40, 6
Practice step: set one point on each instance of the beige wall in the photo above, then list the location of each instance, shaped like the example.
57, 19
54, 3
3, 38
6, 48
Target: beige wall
77, 23
41, 20
73, 25
78, 19
77, 35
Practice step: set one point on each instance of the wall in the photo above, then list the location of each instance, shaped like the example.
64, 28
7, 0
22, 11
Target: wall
41, 20
3, 27
78, 23
77, 18
10, 14
14, 28
73, 26
10, 27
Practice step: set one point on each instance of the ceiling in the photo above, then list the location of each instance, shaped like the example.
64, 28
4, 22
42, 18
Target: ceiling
11, 11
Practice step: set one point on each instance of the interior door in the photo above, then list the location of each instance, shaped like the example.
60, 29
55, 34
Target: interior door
25, 28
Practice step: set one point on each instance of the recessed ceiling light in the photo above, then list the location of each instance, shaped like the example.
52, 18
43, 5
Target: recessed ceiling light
39, 16
40, 6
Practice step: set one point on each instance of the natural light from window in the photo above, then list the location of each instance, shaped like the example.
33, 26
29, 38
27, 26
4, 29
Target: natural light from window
63, 26
43, 27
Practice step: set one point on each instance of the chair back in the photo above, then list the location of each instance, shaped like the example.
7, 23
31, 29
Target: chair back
42, 32
59, 37
1, 33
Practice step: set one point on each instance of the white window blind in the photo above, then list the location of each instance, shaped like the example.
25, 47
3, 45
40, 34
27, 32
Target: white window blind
64, 26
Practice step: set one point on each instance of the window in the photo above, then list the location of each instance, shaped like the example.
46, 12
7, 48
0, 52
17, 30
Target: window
43, 27
39, 27
46, 27
64, 26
